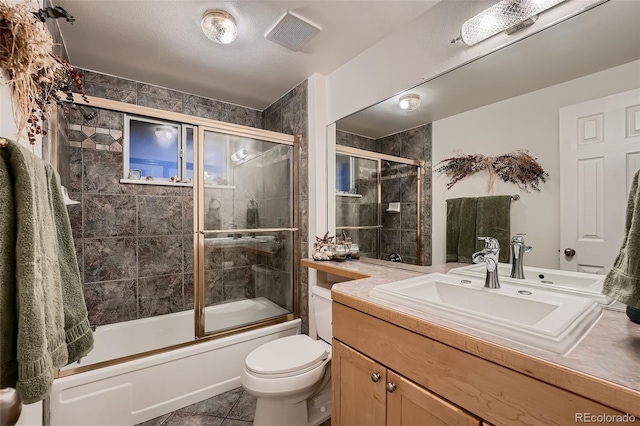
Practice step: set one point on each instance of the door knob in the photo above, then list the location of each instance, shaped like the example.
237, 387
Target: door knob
391, 387
569, 252
375, 377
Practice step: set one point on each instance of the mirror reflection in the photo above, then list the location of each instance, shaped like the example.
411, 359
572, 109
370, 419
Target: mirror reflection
529, 96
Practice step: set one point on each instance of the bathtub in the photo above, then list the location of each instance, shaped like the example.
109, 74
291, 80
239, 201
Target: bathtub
142, 389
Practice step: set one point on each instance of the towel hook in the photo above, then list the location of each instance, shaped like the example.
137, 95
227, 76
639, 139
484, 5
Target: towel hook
515, 197
252, 203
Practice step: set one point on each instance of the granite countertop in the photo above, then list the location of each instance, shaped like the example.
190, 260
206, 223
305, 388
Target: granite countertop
610, 351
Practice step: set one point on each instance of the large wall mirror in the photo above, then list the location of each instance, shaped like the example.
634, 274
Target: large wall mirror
569, 94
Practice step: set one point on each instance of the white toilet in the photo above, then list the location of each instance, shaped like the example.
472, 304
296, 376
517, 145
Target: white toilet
291, 376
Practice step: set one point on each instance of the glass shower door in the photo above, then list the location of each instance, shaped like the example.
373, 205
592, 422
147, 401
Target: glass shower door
245, 198
358, 202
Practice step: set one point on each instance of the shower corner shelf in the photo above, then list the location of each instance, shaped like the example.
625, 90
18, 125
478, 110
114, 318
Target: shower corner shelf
213, 185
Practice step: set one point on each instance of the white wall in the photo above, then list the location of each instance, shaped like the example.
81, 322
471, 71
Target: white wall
528, 121
420, 51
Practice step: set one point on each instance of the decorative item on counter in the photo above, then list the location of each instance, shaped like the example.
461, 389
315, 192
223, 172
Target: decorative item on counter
35, 75
517, 167
149, 178
354, 251
173, 178
340, 253
135, 174
323, 248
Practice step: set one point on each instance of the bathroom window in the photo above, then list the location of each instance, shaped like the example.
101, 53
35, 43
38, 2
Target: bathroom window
163, 150
345, 174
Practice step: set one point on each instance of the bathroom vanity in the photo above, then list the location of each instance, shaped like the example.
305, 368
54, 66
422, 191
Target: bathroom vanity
396, 366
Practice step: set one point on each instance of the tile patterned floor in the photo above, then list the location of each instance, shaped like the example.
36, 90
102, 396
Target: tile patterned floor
233, 408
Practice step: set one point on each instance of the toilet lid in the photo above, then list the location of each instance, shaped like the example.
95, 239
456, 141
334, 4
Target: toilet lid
286, 355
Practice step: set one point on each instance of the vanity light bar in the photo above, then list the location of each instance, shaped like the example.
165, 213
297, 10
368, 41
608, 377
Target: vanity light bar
502, 17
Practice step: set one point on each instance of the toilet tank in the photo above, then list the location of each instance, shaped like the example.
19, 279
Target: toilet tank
321, 299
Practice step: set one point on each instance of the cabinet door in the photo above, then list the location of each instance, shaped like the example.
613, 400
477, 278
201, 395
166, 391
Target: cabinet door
411, 405
358, 395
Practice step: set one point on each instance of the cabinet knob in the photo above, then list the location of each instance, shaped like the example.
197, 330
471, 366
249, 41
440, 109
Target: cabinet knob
375, 377
391, 387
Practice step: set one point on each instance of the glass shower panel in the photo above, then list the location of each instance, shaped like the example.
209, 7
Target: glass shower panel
399, 233
247, 219
358, 205
358, 201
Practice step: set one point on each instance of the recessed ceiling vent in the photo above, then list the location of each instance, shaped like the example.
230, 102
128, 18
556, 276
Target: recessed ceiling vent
292, 31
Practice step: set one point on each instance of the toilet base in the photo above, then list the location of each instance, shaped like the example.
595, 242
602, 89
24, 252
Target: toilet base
308, 412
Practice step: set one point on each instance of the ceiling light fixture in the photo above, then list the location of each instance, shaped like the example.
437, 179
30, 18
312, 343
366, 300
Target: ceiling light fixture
508, 16
165, 135
239, 155
409, 102
219, 26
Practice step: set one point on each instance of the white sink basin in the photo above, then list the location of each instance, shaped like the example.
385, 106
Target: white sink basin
567, 282
541, 319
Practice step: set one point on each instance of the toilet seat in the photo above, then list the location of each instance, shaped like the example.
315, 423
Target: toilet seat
286, 357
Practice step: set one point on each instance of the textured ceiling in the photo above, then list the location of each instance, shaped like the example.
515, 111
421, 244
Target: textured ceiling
598, 39
160, 42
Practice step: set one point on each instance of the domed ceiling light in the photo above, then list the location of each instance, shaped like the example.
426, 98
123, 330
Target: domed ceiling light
219, 26
409, 102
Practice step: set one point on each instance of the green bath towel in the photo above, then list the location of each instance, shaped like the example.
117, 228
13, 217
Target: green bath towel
51, 316
623, 281
494, 220
470, 218
461, 229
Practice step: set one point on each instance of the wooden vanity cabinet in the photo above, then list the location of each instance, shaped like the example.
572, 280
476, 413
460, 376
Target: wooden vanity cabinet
434, 381
366, 393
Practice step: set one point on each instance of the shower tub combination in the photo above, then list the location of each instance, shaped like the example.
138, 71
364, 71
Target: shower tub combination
141, 389
243, 293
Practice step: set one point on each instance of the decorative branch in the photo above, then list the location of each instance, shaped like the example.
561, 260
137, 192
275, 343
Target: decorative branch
34, 73
517, 167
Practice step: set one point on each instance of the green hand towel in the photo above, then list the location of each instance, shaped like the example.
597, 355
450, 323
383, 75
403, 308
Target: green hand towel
461, 229
49, 306
493, 219
623, 281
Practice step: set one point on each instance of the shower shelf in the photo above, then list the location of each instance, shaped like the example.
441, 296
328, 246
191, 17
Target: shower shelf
167, 183
349, 195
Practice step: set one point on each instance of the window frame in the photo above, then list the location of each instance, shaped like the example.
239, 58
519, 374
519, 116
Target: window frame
180, 152
352, 172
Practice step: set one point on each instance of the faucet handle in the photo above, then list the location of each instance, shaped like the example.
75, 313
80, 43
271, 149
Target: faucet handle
490, 242
518, 238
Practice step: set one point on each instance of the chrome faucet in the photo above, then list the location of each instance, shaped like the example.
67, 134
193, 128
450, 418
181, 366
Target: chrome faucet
489, 255
518, 249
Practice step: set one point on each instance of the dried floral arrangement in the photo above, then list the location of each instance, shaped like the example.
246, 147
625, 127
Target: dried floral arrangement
517, 167
34, 73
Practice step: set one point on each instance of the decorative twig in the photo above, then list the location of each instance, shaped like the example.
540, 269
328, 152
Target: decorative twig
35, 74
517, 167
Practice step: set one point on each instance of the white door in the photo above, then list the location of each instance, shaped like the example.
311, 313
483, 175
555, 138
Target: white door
599, 155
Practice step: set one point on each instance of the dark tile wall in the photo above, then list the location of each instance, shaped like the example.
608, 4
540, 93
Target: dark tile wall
133, 242
289, 115
399, 184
